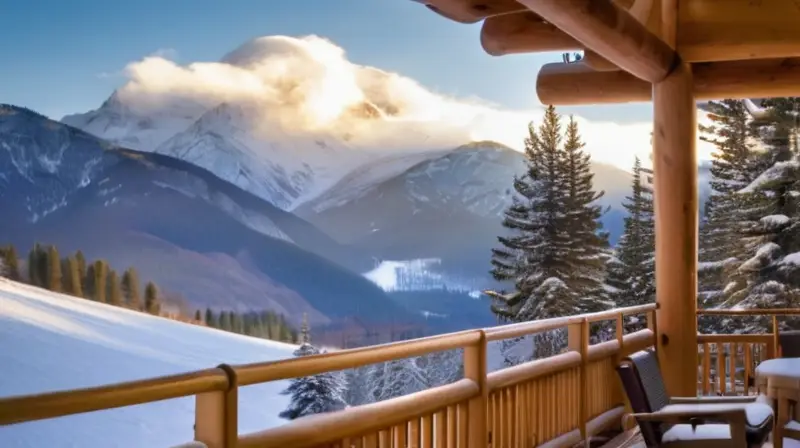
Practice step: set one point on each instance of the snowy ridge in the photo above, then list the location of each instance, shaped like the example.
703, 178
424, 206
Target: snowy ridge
54, 342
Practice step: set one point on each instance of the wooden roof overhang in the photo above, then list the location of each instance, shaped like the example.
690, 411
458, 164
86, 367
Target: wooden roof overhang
737, 48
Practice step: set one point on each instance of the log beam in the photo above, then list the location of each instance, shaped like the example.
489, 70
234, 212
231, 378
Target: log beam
575, 84
597, 62
728, 30
523, 32
676, 228
711, 30
612, 33
471, 11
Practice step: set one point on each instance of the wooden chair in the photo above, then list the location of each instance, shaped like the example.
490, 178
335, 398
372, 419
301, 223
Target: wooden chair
707, 422
790, 344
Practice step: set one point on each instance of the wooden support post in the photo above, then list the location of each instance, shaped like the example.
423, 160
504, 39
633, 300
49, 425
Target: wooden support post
675, 167
475, 370
216, 421
578, 337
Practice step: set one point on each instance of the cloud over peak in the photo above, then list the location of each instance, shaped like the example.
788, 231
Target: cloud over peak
307, 84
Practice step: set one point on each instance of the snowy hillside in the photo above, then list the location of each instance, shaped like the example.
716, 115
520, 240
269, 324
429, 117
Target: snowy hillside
51, 342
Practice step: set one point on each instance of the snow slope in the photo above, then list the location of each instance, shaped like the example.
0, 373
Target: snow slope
52, 342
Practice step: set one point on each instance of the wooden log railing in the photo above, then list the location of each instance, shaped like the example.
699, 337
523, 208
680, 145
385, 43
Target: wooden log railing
556, 401
727, 362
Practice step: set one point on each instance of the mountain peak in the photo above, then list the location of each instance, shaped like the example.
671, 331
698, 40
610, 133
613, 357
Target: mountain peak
485, 144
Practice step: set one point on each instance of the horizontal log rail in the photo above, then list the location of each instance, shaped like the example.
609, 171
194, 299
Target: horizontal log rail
578, 83
544, 401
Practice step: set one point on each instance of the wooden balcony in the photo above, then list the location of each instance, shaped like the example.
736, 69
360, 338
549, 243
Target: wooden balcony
558, 401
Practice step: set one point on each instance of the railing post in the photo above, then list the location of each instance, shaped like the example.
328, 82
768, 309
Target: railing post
215, 414
475, 370
776, 344
578, 335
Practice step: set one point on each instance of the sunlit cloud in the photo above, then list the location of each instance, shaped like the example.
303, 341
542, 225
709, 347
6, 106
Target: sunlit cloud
308, 85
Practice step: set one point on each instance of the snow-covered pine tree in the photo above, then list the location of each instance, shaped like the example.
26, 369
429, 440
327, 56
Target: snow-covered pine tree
589, 249
315, 394
773, 272
631, 272
357, 392
546, 265
403, 377
726, 211
442, 368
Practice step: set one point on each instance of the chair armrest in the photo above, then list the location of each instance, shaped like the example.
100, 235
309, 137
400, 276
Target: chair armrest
730, 416
710, 400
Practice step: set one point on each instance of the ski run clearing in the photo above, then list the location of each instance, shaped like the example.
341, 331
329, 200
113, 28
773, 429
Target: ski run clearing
51, 342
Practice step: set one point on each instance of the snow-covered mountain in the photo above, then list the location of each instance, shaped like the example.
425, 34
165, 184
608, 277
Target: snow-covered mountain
228, 140
448, 207
54, 342
178, 224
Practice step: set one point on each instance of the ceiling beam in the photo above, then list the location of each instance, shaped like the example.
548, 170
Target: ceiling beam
523, 32
471, 11
611, 32
710, 31
576, 84
727, 30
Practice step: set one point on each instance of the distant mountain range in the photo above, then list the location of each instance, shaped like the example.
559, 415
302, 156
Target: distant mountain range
178, 224
234, 213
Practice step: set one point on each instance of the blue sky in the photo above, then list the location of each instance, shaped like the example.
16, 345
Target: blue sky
58, 54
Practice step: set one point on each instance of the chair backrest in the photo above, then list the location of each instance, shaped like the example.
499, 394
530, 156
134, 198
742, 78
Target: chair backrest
641, 378
790, 344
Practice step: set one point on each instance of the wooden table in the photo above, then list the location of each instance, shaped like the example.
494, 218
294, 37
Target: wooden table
780, 379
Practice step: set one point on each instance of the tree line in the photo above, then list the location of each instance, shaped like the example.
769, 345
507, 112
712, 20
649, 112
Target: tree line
264, 324
73, 275
558, 258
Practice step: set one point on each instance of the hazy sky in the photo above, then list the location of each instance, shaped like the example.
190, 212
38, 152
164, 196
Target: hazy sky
62, 57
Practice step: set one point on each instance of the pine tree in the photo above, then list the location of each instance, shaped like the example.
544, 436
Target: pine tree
631, 273
211, 321
100, 280
80, 260
198, 317
43, 266
11, 263
772, 273
34, 271
540, 257
588, 245
88, 282
72, 278
726, 210
315, 394
130, 289
114, 289
151, 302
404, 376
225, 321
54, 279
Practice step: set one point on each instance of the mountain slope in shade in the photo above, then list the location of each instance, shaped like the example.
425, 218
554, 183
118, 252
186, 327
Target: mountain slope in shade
54, 342
172, 220
227, 139
448, 207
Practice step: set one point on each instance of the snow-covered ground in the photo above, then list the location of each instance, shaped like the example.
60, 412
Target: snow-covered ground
52, 342
416, 275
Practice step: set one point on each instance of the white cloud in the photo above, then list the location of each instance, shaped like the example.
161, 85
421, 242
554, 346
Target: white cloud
307, 84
